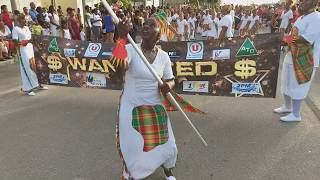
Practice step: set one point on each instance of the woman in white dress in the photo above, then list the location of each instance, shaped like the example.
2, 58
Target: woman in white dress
245, 20
212, 33
286, 16
293, 88
225, 25
54, 22
255, 22
22, 35
145, 137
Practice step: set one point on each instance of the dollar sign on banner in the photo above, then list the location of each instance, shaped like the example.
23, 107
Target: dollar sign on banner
245, 68
54, 63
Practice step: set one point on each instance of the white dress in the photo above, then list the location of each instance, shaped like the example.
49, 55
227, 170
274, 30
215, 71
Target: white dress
311, 32
53, 28
29, 77
226, 21
213, 32
141, 88
244, 21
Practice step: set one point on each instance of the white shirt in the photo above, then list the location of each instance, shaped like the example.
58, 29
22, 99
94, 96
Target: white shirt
310, 31
181, 26
244, 21
67, 34
206, 19
286, 19
82, 36
95, 18
253, 21
226, 21
192, 21
6, 32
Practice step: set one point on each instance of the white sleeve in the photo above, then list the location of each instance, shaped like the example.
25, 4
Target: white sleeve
129, 49
167, 72
15, 35
290, 15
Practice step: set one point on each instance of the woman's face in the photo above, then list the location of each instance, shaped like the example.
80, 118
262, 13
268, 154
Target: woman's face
150, 30
22, 20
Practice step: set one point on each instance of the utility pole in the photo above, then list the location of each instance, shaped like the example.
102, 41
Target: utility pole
13, 5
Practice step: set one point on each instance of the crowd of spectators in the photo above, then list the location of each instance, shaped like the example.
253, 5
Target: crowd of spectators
187, 22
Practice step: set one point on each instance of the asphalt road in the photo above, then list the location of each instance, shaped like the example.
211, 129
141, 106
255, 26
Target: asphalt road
68, 134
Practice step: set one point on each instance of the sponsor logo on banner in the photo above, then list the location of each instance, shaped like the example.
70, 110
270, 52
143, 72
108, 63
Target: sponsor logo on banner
196, 86
246, 88
195, 50
96, 80
58, 78
247, 49
93, 50
106, 54
70, 52
174, 54
221, 54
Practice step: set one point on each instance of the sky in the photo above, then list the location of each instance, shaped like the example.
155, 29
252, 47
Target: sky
248, 2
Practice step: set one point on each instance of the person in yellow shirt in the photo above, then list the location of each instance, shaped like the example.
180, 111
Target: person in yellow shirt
37, 29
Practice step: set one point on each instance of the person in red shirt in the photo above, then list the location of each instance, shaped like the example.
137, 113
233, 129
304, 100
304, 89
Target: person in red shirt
74, 26
6, 17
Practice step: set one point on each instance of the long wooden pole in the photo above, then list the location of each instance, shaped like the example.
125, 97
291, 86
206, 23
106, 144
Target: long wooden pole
146, 62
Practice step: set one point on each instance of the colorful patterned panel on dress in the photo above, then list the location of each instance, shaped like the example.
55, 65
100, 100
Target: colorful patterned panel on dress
152, 123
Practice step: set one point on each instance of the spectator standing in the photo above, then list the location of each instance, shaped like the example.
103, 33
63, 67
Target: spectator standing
28, 18
74, 25
54, 22
22, 35
32, 12
65, 33
87, 22
286, 16
255, 22
96, 25
5, 34
109, 26
41, 19
182, 27
6, 17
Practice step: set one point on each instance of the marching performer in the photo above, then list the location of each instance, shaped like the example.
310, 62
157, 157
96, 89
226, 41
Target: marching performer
301, 61
22, 35
146, 138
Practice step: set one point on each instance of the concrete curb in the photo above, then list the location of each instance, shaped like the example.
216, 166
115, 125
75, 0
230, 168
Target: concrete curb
7, 62
312, 105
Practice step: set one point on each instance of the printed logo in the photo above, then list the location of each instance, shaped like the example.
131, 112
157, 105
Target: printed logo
93, 50
174, 54
195, 50
53, 46
246, 88
96, 80
58, 78
69, 52
247, 49
196, 86
221, 54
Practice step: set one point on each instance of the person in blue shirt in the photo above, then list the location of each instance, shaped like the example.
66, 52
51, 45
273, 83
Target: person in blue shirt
32, 12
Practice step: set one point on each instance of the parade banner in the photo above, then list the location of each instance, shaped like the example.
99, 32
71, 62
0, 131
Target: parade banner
245, 67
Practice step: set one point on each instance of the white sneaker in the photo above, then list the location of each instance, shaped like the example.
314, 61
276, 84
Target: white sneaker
31, 93
43, 88
282, 110
291, 118
171, 178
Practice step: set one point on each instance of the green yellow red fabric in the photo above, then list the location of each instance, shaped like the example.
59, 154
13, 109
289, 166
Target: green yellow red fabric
152, 123
302, 56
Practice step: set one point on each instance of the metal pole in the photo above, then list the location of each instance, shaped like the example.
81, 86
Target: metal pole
146, 62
